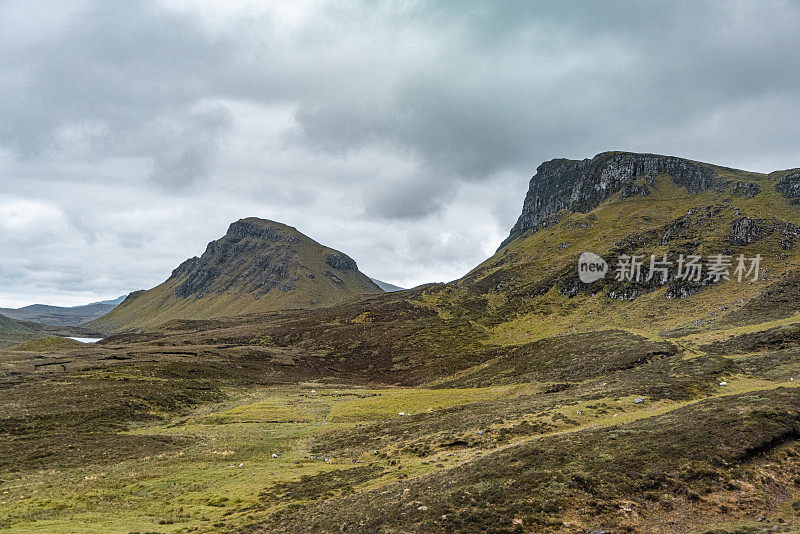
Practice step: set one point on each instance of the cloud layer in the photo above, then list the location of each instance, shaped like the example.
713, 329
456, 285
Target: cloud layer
401, 133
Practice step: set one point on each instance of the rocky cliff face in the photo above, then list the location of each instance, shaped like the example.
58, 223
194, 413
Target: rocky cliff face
581, 186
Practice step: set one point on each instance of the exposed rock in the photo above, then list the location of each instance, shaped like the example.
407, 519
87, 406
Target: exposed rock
789, 185
745, 231
580, 186
341, 262
247, 228
745, 189
790, 234
257, 258
632, 190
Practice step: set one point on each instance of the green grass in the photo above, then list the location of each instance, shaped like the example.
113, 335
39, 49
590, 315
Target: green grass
178, 485
389, 403
48, 344
199, 485
13, 333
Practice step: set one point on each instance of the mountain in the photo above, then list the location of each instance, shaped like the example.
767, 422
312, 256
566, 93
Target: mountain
258, 266
701, 372
621, 204
386, 286
113, 302
61, 316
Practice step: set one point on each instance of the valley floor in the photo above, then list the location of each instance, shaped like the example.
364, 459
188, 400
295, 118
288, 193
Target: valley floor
122, 441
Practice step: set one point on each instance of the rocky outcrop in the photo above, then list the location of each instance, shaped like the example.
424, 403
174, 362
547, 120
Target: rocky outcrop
747, 230
257, 264
341, 262
745, 189
580, 186
789, 185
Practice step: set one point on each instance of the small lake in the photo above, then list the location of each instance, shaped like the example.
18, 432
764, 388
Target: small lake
86, 339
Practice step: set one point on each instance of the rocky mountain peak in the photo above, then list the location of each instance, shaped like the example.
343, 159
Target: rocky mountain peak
259, 256
263, 229
582, 185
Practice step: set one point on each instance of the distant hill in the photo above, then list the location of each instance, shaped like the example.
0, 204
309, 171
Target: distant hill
113, 302
258, 266
386, 286
59, 315
12, 333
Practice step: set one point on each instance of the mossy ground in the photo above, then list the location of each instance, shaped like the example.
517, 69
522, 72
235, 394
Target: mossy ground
48, 344
224, 463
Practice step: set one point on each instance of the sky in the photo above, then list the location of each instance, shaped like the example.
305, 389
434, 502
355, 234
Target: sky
402, 133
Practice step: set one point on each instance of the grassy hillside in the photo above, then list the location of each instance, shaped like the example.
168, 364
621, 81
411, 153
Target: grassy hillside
48, 344
258, 266
12, 333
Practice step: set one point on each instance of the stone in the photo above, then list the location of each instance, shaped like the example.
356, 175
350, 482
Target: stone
341, 262
580, 186
745, 189
789, 185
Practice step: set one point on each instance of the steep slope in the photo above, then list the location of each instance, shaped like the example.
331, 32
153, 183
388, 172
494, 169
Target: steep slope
621, 204
258, 266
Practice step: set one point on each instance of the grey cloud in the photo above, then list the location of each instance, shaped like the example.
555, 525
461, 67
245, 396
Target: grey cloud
411, 198
189, 152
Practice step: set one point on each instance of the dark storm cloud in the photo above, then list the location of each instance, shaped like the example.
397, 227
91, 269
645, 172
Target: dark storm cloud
134, 131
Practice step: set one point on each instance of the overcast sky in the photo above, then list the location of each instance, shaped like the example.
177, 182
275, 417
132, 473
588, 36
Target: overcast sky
402, 133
